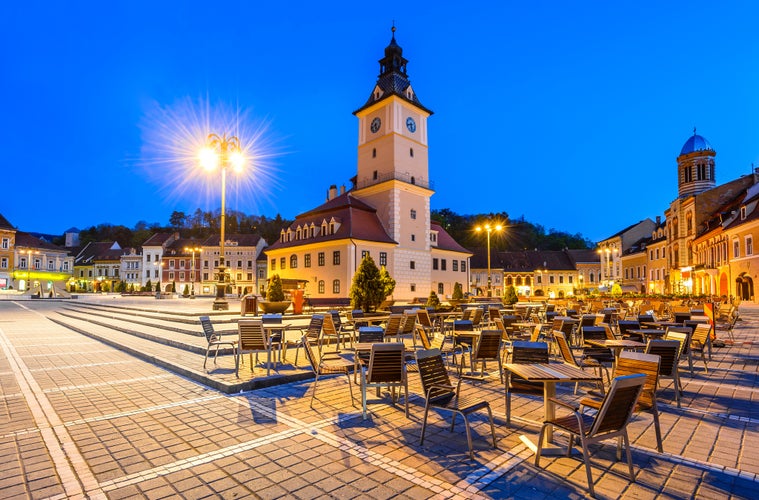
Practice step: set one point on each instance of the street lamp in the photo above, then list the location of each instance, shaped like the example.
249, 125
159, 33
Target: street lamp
489, 228
192, 269
28, 253
222, 152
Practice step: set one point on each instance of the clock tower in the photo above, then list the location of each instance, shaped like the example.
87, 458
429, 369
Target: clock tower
393, 173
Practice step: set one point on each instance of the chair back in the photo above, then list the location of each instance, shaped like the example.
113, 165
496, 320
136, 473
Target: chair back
681, 317
386, 363
354, 317
587, 320
566, 352
477, 316
329, 327
536, 331
682, 334
423, 317
252, 336
529, 352
336, 318
609, 333
630, 363
393, 326
467, 315
494, 313
434, 375
618, 405
309, 353
208, 330
625, 325
409, 320
371, 334
423, 337
489, 345
594, 333
315, 327
668, 352
502, 328
700, 335
463, 325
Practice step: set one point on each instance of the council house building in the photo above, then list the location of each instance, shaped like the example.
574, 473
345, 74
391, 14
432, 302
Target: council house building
385, 214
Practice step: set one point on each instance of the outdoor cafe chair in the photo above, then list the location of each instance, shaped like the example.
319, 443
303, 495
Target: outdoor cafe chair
276, 336
331, 332
393, 326
329, 364
610, 421
387, 367
585, 362
441, 394
684, 335
214, 340
669, 352
700, 342
312, 335
436, 340
252, 339
407, 325
630, 363
487, 348
525, 353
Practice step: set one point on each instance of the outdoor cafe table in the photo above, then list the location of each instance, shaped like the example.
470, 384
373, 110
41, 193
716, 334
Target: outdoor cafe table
616, 345
550, 374
648, 333
269, 330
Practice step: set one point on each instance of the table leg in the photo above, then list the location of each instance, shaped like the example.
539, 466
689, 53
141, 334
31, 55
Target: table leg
549, 413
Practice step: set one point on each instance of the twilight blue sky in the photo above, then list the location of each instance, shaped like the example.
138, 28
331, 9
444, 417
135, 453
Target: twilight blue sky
570, 114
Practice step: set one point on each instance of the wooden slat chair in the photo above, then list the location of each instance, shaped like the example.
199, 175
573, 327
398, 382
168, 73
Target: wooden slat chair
423, 319
700, 341
630, 363
669, 353
488, 348
214, 340
600, 354
252, 339
493, 314
407, 325
329, 364
729, 325
339, 332
312, 335
373, 335
393, 326
624, 330
569, 357
477, 318
684, 334
440, 393
387, 367
436, 340
526, 353
610, 421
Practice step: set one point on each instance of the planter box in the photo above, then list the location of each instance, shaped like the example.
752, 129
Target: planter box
274, 307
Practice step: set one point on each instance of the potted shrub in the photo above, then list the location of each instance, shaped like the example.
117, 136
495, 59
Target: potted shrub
457, 297
275, 298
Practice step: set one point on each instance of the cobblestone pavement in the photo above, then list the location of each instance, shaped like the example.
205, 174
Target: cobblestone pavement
82, 418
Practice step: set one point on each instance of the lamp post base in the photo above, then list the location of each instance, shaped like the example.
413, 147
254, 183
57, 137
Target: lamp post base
220, 304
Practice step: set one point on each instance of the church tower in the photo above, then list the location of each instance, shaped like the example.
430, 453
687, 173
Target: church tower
393, 173
695, 166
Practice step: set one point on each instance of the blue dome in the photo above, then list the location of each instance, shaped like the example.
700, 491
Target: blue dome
696, 143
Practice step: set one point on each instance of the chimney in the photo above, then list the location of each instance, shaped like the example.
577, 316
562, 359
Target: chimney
332, 192
658, 220
342, 189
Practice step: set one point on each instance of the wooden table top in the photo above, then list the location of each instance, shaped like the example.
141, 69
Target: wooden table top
558, 372
615, 343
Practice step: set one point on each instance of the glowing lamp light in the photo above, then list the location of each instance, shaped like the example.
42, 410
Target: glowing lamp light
208, 158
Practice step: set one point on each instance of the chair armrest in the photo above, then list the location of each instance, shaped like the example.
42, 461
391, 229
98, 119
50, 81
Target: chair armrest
570, 406
331, 355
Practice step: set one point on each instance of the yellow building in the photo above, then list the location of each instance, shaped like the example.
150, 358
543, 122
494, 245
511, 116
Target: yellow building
385, 214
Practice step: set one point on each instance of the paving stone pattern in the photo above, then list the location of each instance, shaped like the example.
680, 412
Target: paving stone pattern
90, 410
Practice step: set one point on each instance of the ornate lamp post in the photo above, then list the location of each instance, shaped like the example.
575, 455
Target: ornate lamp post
192, 269
29, 253
489, 228
222, 152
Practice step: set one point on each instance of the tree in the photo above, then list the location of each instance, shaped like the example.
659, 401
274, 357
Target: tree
275, 293
173, 287
157, 286
458, 293
388, 283
367, 290
186, 291
177, 219
148, 286
433, 300
510, 295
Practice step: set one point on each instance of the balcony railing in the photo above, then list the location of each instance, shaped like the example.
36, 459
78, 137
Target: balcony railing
398, 176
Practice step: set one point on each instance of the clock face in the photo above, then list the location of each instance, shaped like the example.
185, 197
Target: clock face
376, 124
410, 124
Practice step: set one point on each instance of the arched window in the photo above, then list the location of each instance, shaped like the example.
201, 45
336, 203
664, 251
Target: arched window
591, 278
321, 286
293, 261
336, 286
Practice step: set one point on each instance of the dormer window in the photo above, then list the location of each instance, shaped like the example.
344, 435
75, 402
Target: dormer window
743, 213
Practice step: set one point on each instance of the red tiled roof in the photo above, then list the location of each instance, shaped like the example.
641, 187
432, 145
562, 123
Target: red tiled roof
445, 241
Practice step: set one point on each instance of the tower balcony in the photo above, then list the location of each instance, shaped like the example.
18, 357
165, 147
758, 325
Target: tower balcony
398, 176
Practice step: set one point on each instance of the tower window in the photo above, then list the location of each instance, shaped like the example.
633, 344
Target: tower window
413, 213
413, 180
413, 237
411, 152
687, 174
374, 152
375, 175
412, 265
